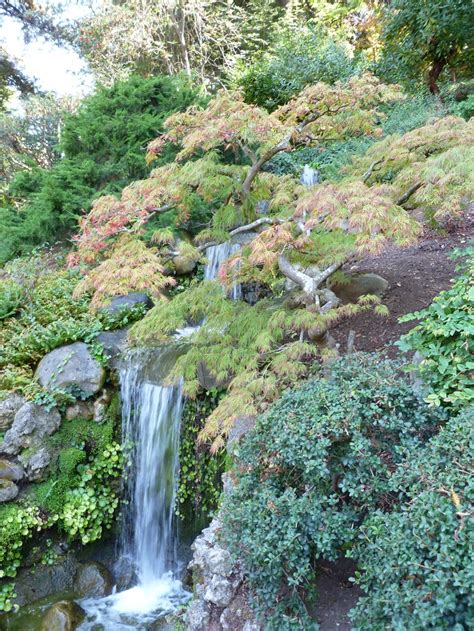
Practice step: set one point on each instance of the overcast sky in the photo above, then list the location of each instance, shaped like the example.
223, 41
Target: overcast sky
56, 69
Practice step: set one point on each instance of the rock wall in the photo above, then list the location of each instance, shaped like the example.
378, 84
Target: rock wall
221, 600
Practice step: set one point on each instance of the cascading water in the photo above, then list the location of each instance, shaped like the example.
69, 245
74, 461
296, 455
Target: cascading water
310, 176
216, 255
151, 414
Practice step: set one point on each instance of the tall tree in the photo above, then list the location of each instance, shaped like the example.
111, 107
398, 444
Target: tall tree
423, 38
36, 21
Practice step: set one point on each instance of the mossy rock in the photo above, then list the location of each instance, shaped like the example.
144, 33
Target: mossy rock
65, 615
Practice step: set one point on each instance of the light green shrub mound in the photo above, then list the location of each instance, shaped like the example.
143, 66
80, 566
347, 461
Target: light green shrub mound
315, 466
416, 562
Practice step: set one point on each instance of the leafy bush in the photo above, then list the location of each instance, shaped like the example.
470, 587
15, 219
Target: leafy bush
102, 146
317, 462
301, 56
90, 507
416, 561
444, 339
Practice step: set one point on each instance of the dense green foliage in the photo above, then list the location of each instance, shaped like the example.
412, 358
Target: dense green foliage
46, 316
101, 147
424, 38
316, 463
444, 338
299, 57
199, 486
415, 562
79, 497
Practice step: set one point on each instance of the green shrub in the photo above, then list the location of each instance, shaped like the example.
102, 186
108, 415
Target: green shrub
444, 339
48, 317
330, 158
300, 56
102, 147
315, 465
416, 561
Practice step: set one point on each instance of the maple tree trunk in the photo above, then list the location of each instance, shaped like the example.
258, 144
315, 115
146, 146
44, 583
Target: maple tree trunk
433, 75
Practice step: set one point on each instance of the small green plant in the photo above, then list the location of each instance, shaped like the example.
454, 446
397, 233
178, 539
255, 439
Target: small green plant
11, 296
90, 508
316, 463
17, 524
444, 340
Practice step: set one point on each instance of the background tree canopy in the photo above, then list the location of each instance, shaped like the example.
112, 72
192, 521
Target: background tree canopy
100, 149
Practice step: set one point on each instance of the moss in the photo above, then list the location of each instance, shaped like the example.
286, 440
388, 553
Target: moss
74, 443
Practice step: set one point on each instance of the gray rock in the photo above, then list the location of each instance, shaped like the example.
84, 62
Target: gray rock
42, 581
219, 591
36, 464
130, 300
32, 423
8, 490
198, 616
359, 285
239, 429
11, 470
8, 408
80, 409
114, 343
221, 601
93, 580
71, 366
241, 238
208, 381
66, 615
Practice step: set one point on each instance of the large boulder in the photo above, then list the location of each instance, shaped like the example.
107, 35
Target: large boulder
8, 490
358, 285
93, 580
8, 408
10, 470
183, 264
46, 580
71, 366
66, 615
31, 425
130, 300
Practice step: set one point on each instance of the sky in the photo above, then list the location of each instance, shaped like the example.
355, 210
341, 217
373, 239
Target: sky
56, 69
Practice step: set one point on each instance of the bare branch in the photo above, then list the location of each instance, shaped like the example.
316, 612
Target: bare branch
406, 196
370, 170
255, 224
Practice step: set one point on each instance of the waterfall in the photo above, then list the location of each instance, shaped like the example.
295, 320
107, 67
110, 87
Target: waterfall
216, 255
309, 177
151, 415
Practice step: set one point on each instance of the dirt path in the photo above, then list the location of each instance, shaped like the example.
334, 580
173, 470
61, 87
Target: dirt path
415, 276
